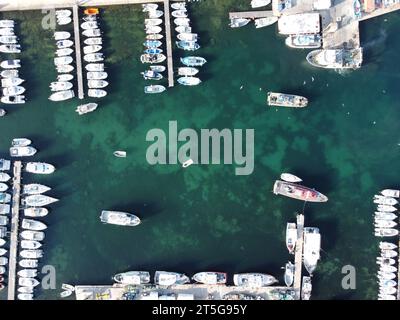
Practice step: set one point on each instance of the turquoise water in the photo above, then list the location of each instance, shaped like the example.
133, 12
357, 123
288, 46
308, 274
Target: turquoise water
345, 144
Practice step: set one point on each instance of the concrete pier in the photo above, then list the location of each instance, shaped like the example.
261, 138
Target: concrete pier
77, 38
251, 14
298, 256
168, 41
12, 264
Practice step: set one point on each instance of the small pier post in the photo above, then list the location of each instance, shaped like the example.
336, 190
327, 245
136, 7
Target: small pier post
12, 263
77, 38
168, 44
298, 258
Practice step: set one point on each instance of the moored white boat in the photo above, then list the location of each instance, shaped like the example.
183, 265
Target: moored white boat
8, 39
178, 5
253, 280
152, 43
182, 22
27, 273
93, 41
9, 82
304, 41
92, 33
65, 77
7, 31
379, 223
62, 21
63, 13
32, 235
259, 3
3, 187
34, 225
188, 45
61, 35
153, 22
93, 57
210, 277
391, 193
153, 14
38, 200
10, 48
181, 13
386, 208
65, 68
387, 245
31, 254
13, 99
39, 168
187, 71
22, 151
61, 86
151, 75
10, 73
25, 296
28, 282
311, 249
119, 218
238, 22
96, 75
11, 64
154, 89
264, 22
152, 58
193, 61
28, 263
6, 23
95, 67
86, 108
289, 273
30, 244
183, 29
153, 29
290, 177
25, 290
97, 84
154, 36
63, 60
291, 236
187, 36
189, 81
385, 215
34, 188
13, 91
62, 95
166, 278
91, 49
63, 44
385, 232
97, 93
4, 177
89, 25
132, 277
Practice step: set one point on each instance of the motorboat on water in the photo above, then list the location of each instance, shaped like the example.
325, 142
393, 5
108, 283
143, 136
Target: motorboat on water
299, 192
25, 290
5, 165
210, 277
154, 14
189, 81
3, 261
388, 290
31, 254
62, 35
93, 57
120, 154
183, 29
385, 215
96, 75
13, 99
28, 263
4, 177
386, 275
152, 58
36, 212
193, 61
388, 269
286, 100
89, 25
388, 253
289, 273
253, 280
10, 73
391, 193
63, 44
2, 242
152, 43
385, 200
34, 188
62, 21
178, 5
384, 223
63, 60
3, 187
2, 112
32, 235
10, 82
153, 22
39, 200
7, 31
8, 39
188, 36
91, 11
385, 261
65, 77
153, 29
3, 251
62, 95
6, 23
311, 248
119, 218
65, 68
27, 273
4, 221
22, 151
147, 7
97, 93
86, 108
93, 41
157, 68
306, 288
291, 236
383, 245
166, 278
188, 45
154, 36
10, 48
93, 67
386, 232
97, 84
151, 75
336, 58
264, 22
91, 49
61, 86
11, 64
132, 277
288, 177
13, 91
182, 22
181, 13
187, 71
259, 3
153, 51
28, 282
154, 89
25, 296
63, 13
39, 168
92, 33
238, 22
386, 208
34, 225
304, 41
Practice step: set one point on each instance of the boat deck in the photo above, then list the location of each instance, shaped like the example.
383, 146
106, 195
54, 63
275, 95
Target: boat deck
12, 264
298, 256
77, 38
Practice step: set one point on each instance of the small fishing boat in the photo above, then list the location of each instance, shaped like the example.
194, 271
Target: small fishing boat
238, 22
31, 254
182, 13
178, 5
278, 99
290, 177
152, 58
387, 245
65, 68
193, 61
93, 67
63, 44
28, 282
119, 218
10, 48
291, 236
4, 177
62, 21
62, 95
9, 82
264, 22
62, 35
157, 68
154, 89
289, 273
153, 51
153, 22
155, 36
259, 3
93, 41
182, 22
91, 11
13, 99
28, 263
187, 71
210, 278
120, 154
11, 64
183, 29
3, 187
304, 41
386, 208
151, 75
154, 14
384, 232
384, 223
92, 33
63, 13
27, 273
153, 29
35, 188
187, 36
86, 108
30, 244
89, 25
132, 277
96, 75
391, 193
97, 93
188, 45
97, 84
22, 151
91, 49
11, 73
61, 86
39, 168
93, 57
152, 43
13, 91
64, 77
32, 235
189, 81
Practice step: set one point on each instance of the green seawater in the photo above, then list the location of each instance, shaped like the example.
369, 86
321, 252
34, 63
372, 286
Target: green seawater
345, 144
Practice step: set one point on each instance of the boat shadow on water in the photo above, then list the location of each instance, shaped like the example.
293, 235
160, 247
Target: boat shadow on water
144, 210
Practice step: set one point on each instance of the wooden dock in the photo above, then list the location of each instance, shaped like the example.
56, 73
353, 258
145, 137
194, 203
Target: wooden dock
168, 41
250, 14
298, 258
77, 37
12, 264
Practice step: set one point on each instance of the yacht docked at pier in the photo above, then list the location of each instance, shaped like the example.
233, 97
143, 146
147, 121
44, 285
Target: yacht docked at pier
336, 58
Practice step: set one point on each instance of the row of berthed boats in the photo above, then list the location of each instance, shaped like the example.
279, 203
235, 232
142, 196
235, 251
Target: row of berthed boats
386, 213
33, 202
96, 75
387, 272
11, 83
